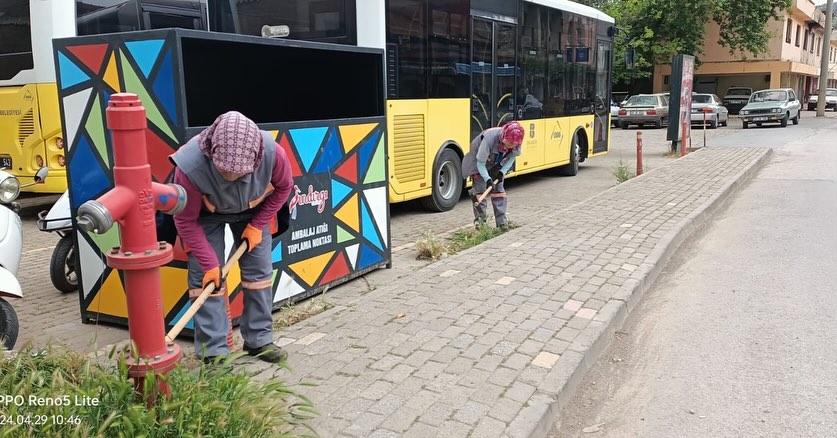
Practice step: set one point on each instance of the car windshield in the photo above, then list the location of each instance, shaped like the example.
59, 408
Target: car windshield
738, 91
701, 98
769, 96
642, 100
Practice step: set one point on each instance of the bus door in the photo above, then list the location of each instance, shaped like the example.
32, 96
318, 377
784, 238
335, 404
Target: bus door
601, 107
493, 74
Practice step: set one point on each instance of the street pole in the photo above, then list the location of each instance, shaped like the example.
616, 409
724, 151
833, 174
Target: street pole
826, 47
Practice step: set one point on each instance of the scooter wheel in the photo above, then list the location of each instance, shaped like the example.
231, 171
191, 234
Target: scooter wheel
8, 325
64, 265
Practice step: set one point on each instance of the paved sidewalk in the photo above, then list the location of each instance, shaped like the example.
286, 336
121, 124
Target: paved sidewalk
468, 347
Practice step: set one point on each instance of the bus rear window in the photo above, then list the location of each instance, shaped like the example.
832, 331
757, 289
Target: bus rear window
15, 38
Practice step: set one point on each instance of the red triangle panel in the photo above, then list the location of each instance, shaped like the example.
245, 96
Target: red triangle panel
295, 170
92, 56
339, 268
158, 156
348, 170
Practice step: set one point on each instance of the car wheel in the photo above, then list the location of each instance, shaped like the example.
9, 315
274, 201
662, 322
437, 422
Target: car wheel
811, 107
795, 120
745, 125
784, 121
758, 125
658, 124
623, 125
447, 182
713, 124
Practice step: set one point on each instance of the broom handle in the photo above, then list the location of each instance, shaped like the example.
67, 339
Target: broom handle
172, 335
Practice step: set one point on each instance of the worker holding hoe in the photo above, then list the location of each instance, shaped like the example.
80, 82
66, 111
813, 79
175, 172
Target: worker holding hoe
234, 174
491, 157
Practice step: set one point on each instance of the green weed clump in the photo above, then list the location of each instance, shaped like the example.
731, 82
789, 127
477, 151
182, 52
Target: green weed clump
622, 172
431, 247
468, 237
54, 392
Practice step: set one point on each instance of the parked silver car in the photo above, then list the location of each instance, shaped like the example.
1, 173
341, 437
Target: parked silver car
644, 109
776, 105
708, 108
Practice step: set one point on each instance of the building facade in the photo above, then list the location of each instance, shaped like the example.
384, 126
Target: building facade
792, 59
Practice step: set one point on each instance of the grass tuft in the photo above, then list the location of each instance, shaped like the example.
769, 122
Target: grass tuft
622, 172
431, 247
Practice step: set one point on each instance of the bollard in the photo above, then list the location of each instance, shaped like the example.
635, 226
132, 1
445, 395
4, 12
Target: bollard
639, 153
685, 126
132, 202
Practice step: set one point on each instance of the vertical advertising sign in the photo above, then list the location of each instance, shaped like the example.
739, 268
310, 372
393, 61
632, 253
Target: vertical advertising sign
680, 98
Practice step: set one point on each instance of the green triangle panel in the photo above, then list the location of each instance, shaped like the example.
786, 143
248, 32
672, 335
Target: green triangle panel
133, 84
96, 128
107, 240
377, 168
343, 235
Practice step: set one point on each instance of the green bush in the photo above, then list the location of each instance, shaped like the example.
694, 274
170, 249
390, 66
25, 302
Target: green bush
212, 401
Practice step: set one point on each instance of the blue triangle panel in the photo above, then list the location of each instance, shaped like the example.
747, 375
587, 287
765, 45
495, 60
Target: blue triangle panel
368, 229
366, 153
277, 252
307, 142
69, 73
189, 325
367, 257
145, 53
89, 179
339, 191
164, 86
332, 153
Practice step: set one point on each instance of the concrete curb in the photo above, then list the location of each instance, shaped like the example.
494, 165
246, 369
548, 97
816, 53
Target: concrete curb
553, 396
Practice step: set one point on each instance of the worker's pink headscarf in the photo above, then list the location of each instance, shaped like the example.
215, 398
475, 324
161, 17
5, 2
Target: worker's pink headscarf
233, 143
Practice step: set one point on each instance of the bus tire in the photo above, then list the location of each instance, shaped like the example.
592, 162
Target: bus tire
571, 169
447, 182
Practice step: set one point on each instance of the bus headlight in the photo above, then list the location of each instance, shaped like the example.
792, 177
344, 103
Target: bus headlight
9, 188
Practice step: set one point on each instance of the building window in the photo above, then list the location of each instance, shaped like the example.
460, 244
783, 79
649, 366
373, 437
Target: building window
805, 43
798, 31
788, 31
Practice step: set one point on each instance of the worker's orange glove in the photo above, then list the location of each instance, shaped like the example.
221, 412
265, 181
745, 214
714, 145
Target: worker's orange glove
253, 236
212, 276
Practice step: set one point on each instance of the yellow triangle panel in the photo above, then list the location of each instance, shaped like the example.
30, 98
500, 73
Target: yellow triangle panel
348, 213
274, 135
111, 298
111, 76
353, 134
175, 283
309, 270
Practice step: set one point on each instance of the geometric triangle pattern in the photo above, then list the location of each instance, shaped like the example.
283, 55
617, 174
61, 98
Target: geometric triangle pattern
353, 134
90, 55
307, 142
145, 53
344, 161
71, 74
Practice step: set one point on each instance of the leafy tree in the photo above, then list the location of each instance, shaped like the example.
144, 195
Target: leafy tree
659, 29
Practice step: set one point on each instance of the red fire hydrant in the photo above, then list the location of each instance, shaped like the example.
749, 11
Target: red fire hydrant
133, 202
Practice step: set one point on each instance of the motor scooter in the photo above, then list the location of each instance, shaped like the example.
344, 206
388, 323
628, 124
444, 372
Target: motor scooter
64, 263
11, 241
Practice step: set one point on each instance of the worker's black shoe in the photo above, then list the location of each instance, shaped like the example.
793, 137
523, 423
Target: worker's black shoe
268, 353
214, 360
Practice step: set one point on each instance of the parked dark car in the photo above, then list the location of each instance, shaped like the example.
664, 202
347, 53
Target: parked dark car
736, 98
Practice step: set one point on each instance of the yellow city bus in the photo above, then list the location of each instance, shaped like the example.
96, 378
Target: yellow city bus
453, 68
30, 125
456, 67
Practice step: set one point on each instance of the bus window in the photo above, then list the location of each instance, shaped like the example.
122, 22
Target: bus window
407, 34
331, 21
161, 14
15, 38
106, 16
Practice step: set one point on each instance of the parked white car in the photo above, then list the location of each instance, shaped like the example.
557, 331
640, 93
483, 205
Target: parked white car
830, 100
708, 108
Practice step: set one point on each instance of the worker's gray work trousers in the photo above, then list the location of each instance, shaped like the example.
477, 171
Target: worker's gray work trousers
498, 201
213, 322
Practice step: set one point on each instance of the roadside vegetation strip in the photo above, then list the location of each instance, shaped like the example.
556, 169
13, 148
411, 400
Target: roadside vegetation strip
56, 392
432, 247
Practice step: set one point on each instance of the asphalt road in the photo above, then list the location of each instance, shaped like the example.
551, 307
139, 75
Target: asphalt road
46, 314
737, 337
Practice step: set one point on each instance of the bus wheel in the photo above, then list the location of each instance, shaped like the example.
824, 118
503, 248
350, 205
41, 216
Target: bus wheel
447, 182
571, 169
